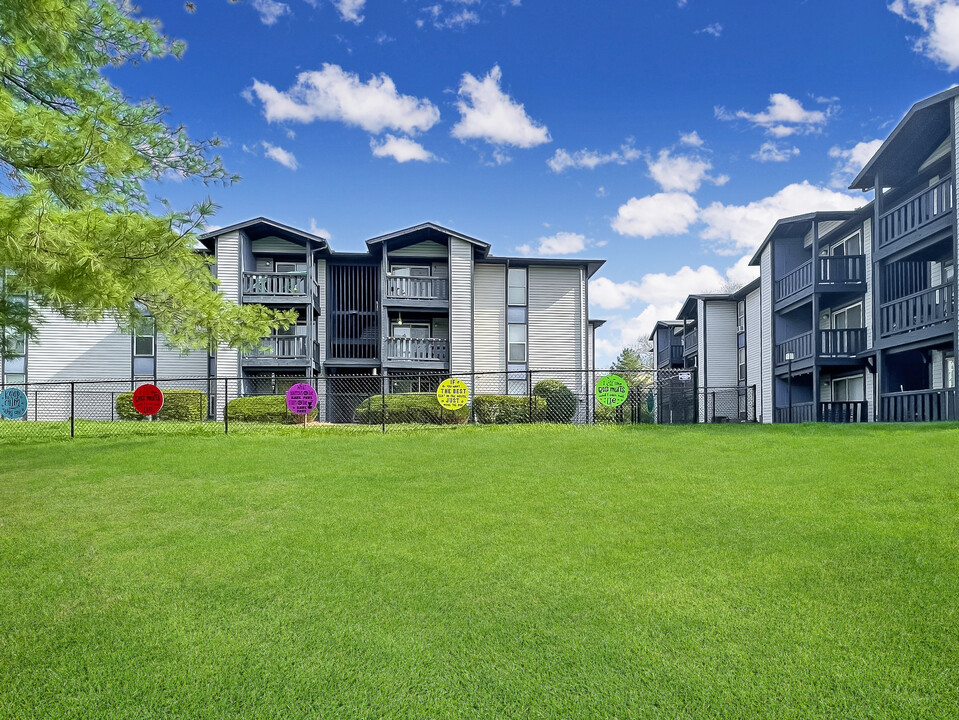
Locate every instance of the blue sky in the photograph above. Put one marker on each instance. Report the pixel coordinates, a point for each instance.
(665, 136)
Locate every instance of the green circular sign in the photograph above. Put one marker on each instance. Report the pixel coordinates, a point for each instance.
(611, 391)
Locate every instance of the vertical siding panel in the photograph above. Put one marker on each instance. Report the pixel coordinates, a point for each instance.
(321, 290)
(461, 306)
(754, 346)
(721, 353)
(555, 325)
(766, 294)
(869, 377)
(228, 254)
(490, 327)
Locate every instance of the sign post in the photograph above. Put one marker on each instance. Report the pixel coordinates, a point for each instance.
(13, 403)
(147, 400)
(301, 400)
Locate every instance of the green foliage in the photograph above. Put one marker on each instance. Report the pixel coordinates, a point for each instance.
(635, 410)
(561, 403)
(508, 409)
(263, 408)
(188, 405)
(76, 226)
(419, 408)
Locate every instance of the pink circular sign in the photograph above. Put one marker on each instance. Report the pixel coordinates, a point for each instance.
(301, 399)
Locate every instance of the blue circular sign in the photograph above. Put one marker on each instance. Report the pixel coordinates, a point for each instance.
(13, 403)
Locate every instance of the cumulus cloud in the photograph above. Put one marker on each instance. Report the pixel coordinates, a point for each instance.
(771, 151)
(401, 149)
(939, 22)
(691, 139)
(562, 243)
(563, 160)
(284, 157)
(714, 29)
(270, 10)
(489, 114)
(350, 10)
(683, 173)
(741, 228)
(850, 161)
(334, 94)
(319, 231)
(783, 117)
(660, 214)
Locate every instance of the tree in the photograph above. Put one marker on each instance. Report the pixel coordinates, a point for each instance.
(78, 231)
(634, 358)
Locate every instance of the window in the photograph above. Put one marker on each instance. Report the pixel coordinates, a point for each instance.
(849, 389)
(847, 318)
(144, 337)
(517, 344)
(742, 363)
(9, 379)
(410, 270)
(741, 316)
(949, 273)
(410, 330)
(15, 345)
(290, 267)
(517, 286)
(851, 245)
(949, 374)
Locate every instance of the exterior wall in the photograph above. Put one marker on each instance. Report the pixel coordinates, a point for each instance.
(65, 350)
(721, 352)
(766, 309)
(702, 362)
(556, 327)
(269, 245)
(424, 249)
(489, 316)
(174, 363)
(754, 347)
(867, 319)
(461, 306)
(228, 255)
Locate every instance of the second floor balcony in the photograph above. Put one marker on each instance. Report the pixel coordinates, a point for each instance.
(417, 289)
(427, 351)
(671, 355)
(280, 287)
(827, 273)
(917, 311)
(282, 350)
(844, 343)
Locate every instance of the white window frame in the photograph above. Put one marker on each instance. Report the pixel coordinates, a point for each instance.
(843, 312)
(741, 362)
(949, 371)
(845, 381)
(510, 343)
(394, 325)
(510, 286)
(395, 268)
(741, 316)
(295, 271)
(137, 336)
(842, 243)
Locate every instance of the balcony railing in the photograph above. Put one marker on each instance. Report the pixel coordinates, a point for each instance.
(417, 288)
(836, 270)
(794, 281)
(418, 349)
(691, 341)
(800, 413)
(842, 343)
(843, 411)
(918, 310)
(800, 346)
(919, 406)
(280, 284)
(672, 355)
(281, 347)
(918, 210)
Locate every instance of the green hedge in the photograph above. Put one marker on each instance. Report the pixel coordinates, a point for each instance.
(631, 412)
(263, 408)
(419, 408)
(508, 409)
(189, 405)
(560, 402)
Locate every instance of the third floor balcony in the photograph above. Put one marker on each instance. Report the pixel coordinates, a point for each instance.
(917, 212)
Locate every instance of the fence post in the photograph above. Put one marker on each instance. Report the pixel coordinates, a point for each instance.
(383, 401)
(529, 392)
(713, 393)
(72, 407)
(226, 400)
(35, 411)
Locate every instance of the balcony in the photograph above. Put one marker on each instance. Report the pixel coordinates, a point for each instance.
(673, 355)
(839, 411)
(266, 286)
(417, 290)
(280, 350)
(838, 272)
(919, 406)
(800, 346)
(845, 343)
(799, 413)
(417, 350)
(917, 211)
(795, 281)
(916, 311)
(690, 342)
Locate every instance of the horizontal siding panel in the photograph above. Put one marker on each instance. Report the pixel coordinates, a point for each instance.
(277, 245)
(171, 362)
(64, 350)
(423, 249)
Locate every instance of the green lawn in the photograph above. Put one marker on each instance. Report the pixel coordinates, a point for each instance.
(560, 572)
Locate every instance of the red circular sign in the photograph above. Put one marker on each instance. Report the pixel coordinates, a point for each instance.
(147, 399)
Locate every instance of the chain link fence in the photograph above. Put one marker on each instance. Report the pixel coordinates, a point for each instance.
(397, 400)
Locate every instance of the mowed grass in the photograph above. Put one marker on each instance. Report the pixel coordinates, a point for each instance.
(546, 572)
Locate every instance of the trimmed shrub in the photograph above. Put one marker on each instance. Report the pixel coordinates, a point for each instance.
(184, 405)
(264, 409)
(631, 412)
(560, 402)
(420, 408)
(508, 409)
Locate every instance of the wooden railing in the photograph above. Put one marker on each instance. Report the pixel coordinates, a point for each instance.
(842, 343)
(691, 341)
(274, 284)
(843, 411)
(800, 346)
(672, 355)
(919, 406)
(281, 347)
(417, 288)
(801, 413)
(428, 349)
(794, 281)
(916, 211)
(835, 270)
(918, 310)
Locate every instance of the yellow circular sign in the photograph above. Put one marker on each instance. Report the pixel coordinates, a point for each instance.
(453, 394)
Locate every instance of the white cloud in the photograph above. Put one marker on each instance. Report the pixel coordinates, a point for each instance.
(334, 94)
(270, 10)
(563, 160)
(771, 151)
(741, 228)
(659, 214)
(562, 243)
(601, 192)
(714, 29)
(401, 149)
(783, 117)
(610, 295)
(939, 21)
(319, 231)
(350, 10)
(284, 157)
(681, 172)
(691, 139)
(501, 157)
(851, 161)
(489, 114)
